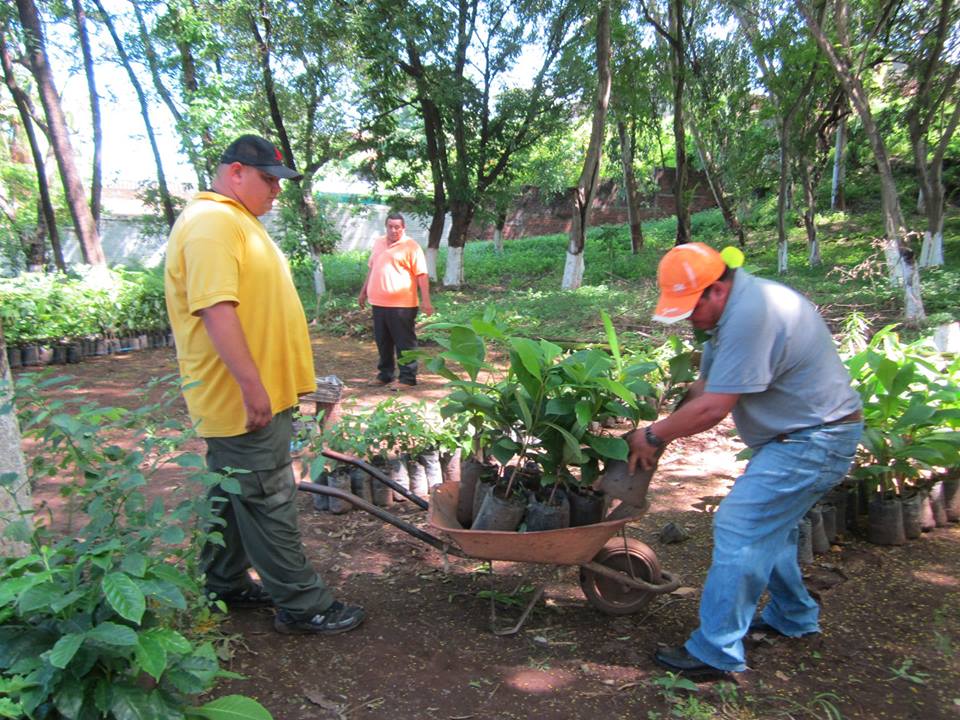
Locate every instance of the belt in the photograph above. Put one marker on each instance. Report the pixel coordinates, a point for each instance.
(854, 417)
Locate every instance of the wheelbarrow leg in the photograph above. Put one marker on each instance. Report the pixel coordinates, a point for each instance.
(502, 632)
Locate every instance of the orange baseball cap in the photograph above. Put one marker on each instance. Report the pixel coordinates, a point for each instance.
(684, 273)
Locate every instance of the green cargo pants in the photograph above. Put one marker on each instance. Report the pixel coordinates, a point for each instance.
(261, 522)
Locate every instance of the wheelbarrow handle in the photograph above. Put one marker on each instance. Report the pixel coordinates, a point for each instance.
(379, 512)
(670, 583)
(371, 470)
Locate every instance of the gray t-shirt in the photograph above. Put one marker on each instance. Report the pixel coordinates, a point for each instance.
(773, 349)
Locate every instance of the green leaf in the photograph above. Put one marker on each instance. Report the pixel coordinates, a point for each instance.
(230, 485)
(231, 707)
(609, 447)
(69, 697)
(190, 460)
(584, 414)
(164, 591)
(66, 647)
(530, 355)
(124, 596)
(524, 409)
(170, 640)
(612, 339)
(39, 597)
(151, 655)
(110, 633)
(134, 564)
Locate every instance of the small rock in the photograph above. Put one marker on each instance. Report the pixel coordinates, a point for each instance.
(673, 533)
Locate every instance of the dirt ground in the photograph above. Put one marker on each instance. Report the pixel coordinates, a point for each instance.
(891, 616)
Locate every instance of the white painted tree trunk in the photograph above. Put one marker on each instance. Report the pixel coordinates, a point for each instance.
(839, 164)
(453, 277)
(781, 258)
(814, 257)
(319, 282)
(431, 254)
(15, 497)
(921, 205)
(573, 271)
(914, 311)
(931, 253)
(498, 240)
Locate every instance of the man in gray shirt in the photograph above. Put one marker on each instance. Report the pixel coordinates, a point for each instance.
(771, 362)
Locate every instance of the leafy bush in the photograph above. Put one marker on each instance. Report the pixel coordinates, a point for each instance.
(911, 402)
(51, 307)
(109, 619)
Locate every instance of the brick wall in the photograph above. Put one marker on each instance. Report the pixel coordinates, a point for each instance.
(534, 214)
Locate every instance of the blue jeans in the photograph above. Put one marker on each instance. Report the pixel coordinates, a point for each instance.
(755, 541)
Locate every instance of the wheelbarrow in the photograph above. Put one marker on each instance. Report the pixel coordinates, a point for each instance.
(618, 575)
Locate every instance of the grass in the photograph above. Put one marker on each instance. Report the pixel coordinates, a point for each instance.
(523, 281)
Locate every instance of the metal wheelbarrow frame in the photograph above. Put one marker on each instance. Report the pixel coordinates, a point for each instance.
(618, 575)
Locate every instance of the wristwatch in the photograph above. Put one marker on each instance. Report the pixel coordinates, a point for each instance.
(652, 438)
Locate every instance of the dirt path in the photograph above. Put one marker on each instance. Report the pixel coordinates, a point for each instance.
(891, 616)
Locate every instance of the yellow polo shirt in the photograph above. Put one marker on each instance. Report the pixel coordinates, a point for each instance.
(218, 251)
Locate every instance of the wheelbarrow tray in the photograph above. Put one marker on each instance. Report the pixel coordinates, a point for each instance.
(568, 546)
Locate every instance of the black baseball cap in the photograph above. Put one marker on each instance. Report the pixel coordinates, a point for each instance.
(256, 152)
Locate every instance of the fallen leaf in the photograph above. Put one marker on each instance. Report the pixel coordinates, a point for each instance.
(684, 591)
(323, 701)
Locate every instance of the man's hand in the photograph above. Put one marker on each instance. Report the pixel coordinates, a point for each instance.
(642, 453)
(256, 402)
(427, 308)
(362, 298)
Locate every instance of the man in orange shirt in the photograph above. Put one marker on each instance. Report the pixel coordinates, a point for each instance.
(397, 269)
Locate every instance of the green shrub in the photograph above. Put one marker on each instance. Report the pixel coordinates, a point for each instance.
(109, 619)
(53, 307)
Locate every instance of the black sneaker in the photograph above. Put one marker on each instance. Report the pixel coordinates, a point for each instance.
(251, 596)
(408, 381)
(335, 619)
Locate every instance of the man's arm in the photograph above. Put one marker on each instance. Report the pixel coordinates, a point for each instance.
(423, 282)
(699, 413)
(362, 298)
(223, 327)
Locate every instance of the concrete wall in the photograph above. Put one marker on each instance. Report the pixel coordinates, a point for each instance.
(125, 239)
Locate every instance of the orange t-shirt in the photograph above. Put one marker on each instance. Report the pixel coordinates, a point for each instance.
(393, 272)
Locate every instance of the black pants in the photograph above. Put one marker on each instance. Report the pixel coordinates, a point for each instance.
(393, 329)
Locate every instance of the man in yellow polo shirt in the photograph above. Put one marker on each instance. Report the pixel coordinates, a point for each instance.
(398, 269)
(244, 354)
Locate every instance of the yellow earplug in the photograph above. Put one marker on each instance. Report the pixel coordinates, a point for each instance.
(732, 256)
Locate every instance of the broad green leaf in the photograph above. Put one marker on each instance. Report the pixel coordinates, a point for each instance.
(190, 460)
(134, 564)
(524, 409)
(164, 591)
(886, 370)
(171, 535)
(68, 698)
(151, 655)
(170, 640)
(39, 597)
(583, 411)
(111, 633)
(66, 647)
(231, 707)
(609, 447)
(530, 355)
(124, 596)
(67, 600)
(550, 351)
(230, 485)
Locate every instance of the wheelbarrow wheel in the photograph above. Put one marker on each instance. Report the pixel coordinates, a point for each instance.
(630, 557)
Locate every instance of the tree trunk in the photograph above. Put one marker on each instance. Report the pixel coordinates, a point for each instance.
(838, 198)
(435, 233)
(201, 166)
(809, 214)
(630, 188)
(15, 501)
(96, 175)
(89, 238)
(899, 256)
(930, 180)
(783, 190)
(166, 202)
(22, 101)
(461, 216)
(498, 231)
(715, 181)
(678, 69)
(587, 184)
